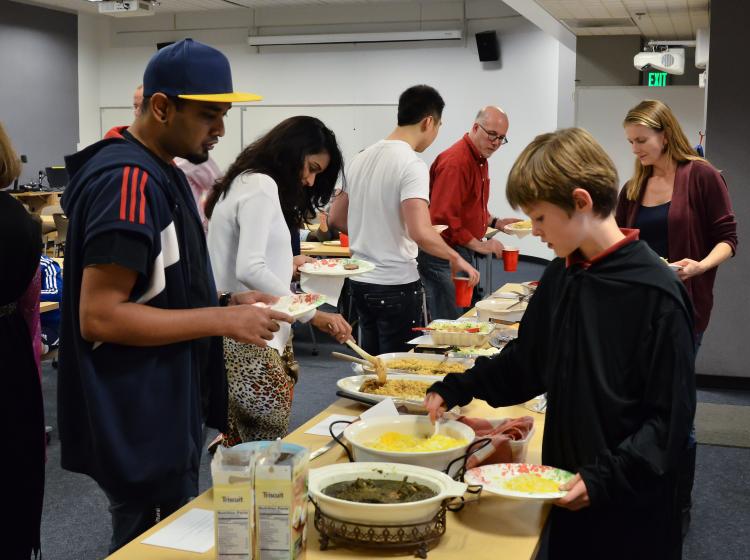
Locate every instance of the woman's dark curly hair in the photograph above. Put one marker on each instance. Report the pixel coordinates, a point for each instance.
(280, 154)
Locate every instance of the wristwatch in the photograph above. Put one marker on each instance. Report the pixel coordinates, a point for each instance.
(493, 223)
(225, 298)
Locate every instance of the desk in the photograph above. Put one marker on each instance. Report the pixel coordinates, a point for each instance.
(36, 200)
(486, 529)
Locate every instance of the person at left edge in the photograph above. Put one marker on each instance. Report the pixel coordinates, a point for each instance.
(141, 369)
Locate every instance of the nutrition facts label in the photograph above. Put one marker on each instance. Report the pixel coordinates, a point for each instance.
(274, 533)
(234, 536)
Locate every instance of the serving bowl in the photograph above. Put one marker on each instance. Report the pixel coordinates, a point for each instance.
(360, 433)
(381, 514)
(462, 333)
(507, 310)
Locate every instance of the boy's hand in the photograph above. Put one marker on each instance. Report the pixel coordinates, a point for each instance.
(435, 406)
(251, 324)
(577, 496)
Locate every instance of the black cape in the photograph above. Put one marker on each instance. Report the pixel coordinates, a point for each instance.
(612, 346)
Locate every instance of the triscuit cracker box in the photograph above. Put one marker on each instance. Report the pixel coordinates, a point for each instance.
(232, 474)
(281, 502)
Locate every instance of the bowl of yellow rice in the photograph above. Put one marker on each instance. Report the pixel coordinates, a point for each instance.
(409, 439)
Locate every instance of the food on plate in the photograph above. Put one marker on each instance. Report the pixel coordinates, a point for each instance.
(403, 389)
(474, 352)
(395, 441)
(523, 224)
(351, 266)
(301, 301)
(460, 327)
(378, 491)
(532, 483)
(424, 367)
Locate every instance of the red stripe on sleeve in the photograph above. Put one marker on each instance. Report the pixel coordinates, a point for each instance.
(142, 211)
(133, 191)
(124, 191)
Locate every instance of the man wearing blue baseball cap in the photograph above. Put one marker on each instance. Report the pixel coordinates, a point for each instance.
(141, 365)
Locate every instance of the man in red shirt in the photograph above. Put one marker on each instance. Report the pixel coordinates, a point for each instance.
(459, 191)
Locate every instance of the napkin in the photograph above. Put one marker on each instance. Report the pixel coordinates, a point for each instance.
(502, 433)
(329, 286)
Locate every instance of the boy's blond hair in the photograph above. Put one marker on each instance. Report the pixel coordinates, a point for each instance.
(10, 165)
(556, 163)
(658, 117)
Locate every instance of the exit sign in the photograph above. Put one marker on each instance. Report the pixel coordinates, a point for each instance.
(657, 79)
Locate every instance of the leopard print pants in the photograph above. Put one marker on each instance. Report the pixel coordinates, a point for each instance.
(261, 387)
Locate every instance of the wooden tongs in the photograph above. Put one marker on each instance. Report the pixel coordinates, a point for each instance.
(377, 363)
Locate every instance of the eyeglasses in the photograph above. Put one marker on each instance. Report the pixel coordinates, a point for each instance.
(493, 136)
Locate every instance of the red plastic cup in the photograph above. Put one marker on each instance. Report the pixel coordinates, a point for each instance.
(344, 239)
(510, 259)
(464, 291)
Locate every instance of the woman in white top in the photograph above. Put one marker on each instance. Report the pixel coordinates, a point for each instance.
(273, 188)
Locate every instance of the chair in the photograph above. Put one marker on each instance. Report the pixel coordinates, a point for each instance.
(47, 225)
(61, 224)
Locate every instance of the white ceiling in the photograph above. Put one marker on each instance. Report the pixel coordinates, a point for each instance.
(653, 19)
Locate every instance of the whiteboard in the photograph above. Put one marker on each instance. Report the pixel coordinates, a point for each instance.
(355, 126)
(601, 110)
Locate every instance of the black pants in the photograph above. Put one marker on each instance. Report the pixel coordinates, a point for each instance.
(131, 518)
(387, 315)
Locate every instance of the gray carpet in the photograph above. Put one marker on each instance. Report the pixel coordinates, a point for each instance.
(722, 424)
(76, 525)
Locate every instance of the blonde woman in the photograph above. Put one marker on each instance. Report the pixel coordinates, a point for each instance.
(680, 204)
(679, 201)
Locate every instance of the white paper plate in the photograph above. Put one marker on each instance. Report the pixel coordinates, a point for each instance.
(298, 304)
(440, 228)
(437, 358)
(512, 229)
(307, 245)
(493, 479)
(350, 385)
(335, 267)
(333, 243)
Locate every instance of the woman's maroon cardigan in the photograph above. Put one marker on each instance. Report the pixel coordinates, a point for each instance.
(700, 216)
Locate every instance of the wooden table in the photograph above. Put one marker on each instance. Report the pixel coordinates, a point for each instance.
(489, 528)
(319, 249)
(36, 200)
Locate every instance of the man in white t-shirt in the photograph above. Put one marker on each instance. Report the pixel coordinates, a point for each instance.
(384, 208)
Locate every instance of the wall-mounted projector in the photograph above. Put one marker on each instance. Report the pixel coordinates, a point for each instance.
(126, 8)
(671, 61)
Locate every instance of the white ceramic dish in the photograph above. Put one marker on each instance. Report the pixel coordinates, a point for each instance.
(460, 338)
(493, 478)
(428, 358)
(496, 308)
(360, 433)
(350, 385)
(335, 267)
(381, 514)
(440, 228)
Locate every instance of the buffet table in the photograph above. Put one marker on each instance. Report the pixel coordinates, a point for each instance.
(487, 528)
(490, 528)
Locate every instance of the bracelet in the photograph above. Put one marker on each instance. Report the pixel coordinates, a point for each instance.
(224, 299)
